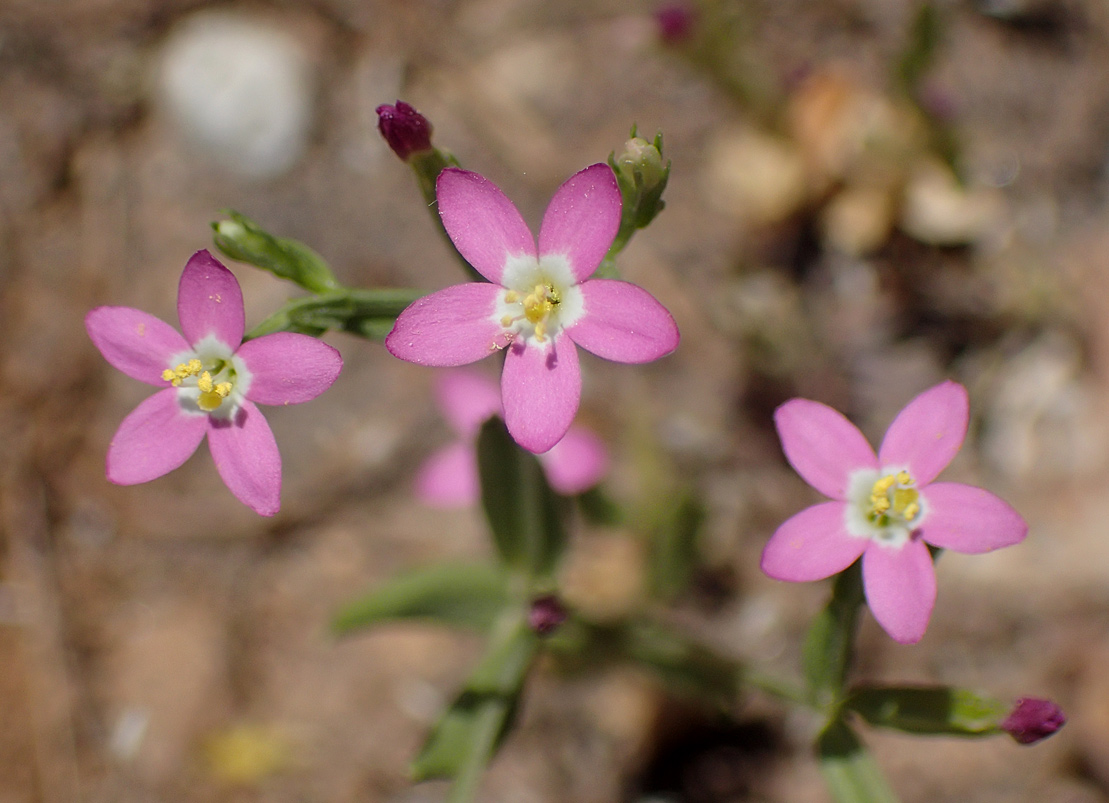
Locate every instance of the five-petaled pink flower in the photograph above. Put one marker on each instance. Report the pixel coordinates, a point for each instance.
(538, 303)
(449, 478)
(887, 507)
(211, 381)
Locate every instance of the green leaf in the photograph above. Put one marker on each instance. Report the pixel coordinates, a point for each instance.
(673, 547)
(242, 239)
(849, 770)
(367, 313)
(466, 595)
(828, 648)
(467, 736)
(525, 515)
(928, 709)
(920, 51)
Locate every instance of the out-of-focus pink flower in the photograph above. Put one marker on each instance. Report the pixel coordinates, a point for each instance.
(405, 129)
(887, 508)
(211, 382)
(675, 22)
(450, 476)
(1033, 719)
(538, 303)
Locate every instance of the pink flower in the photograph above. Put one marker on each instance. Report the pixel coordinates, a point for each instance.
(450, 477)
(1033, 720)
(211, 381)
(887, 507)
(539, 302)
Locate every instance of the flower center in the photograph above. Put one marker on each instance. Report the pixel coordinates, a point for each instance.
(536, 307)
(893, 500)
(214, 382)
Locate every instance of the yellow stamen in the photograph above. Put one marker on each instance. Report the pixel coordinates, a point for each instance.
(911, 511)
(204, 382)
(903, 478)
(511, 297)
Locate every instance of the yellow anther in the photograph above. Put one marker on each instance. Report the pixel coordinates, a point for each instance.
(883, 485)
(194, 367)
(507, 321)
(903, 478)
(879, 505)
(170, 376)
(223, 390)
(204, 382)
(511, 297)
(911, 510)
(540, 331)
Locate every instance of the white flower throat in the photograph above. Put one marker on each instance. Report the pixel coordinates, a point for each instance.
(540, 299)
(884, 506)
(210, 380)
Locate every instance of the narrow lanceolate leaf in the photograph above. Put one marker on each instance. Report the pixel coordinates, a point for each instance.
(849, 770)
(673, 547)
(468, 734)
(525, 515)
(466, 595)
(827, 651)
(366, 313)
(242, 239)
(931, 710)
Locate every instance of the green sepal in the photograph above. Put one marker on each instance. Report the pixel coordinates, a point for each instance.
(525, 515)
(468, 734)
(242, 239)
(827, 652)
(463, 595)
(366, 313)
(928, 709)
(850, 772)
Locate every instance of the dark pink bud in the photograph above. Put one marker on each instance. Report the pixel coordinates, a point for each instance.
(1032, 720)
(546, 614)
(405, 129)
(675, 22)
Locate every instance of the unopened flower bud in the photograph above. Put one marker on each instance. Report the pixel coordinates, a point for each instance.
(241, 238)
(643, 162)
(405, 129)
(1032, 720)
(546, 614)
(642, 175)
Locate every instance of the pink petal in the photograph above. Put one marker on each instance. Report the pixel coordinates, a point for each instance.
(582, 219)
(210, 302)
(812, 545)
(541, 388)
(288, 368)
(623, 322)
(900, 588)
(969, 519)
(452, 327)
(135, 342)
(928, 432)
(821, 445)
(483, 224)
(157, 437)
(576, 463)
(468, 399)
(449, 478)
(246, 457)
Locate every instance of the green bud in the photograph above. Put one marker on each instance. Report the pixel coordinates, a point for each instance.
(641, 175)
(242, 239)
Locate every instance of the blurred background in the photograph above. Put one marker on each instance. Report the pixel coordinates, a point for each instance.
(867, 196)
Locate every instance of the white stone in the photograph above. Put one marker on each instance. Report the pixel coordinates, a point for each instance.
(240, 89)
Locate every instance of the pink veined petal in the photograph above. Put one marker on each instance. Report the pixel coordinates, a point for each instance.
(246, 457)
(582, 219)
(468, 399)
(900, 588)
(135, 342)
(449, 478)
(968, 519)
(483, 224)
(812, 545)
(928, 432)
(453, 326)
(154, 439)
(541, 388)
(210, 302)
(623, 322)
(822, 445)
(288, 368)
(576, 463)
